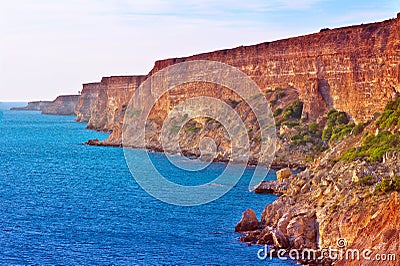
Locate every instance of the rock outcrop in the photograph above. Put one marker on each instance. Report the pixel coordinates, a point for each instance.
(62, 105)
(248, 222)
(33, 106)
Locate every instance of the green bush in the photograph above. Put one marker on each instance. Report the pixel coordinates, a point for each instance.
(337, 126)
(278, 112)
(366, 180)
(388, 185)
(294, 110)
(391, 116)
(312, 127)
(341, 131)
(374, 147)
(290, 123)
(358, 128)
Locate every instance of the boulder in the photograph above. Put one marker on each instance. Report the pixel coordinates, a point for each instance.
(271, 187)
(280, 239)
(248, 222)
(283, 174)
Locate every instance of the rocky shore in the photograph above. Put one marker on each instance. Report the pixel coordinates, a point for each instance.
(353, 202)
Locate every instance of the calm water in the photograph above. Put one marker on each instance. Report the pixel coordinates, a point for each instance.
(65, 203)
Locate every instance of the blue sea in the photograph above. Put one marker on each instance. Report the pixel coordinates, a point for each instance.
(62, 202)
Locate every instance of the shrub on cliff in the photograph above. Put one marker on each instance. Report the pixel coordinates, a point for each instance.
(388, 185)
(391, 115)
(294, 110)
(337, 126)
(374, 147)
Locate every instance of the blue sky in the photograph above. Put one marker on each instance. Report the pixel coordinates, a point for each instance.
(51, 47)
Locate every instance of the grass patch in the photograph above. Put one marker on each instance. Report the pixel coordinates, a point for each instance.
(388, 185)
(374, 147)
(391, 115)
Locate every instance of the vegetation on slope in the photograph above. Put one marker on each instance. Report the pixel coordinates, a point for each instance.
(338, 126)
(375, 146)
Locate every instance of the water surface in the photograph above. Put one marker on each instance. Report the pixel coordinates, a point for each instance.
(62, 202)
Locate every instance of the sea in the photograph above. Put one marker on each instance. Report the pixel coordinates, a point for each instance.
(65, 203)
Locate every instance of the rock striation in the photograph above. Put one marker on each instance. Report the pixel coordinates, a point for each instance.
(352, 69)
(62, 105)
(33, 106)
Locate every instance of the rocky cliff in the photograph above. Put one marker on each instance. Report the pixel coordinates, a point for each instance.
(352, 69)
(33, 106)
(102, 104)
(87, 101)
(62, 105)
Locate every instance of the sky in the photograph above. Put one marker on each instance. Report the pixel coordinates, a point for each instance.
(50, 47)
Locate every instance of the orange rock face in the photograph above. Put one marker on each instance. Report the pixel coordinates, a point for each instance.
(353, 69)
(87, 101)
(381, 234)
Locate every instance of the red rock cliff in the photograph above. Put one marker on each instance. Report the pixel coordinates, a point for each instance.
(87, 101)
(353, 69)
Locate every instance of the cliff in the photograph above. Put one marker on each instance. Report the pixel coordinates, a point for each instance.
(62, 105)
(87, 101)
(352, 69)
(102, 104)
(33, 106)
